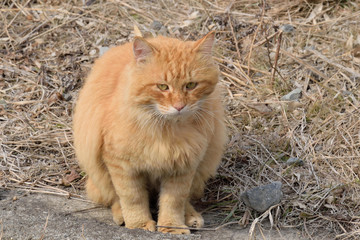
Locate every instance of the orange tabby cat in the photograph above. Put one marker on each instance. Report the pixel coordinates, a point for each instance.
(149, 119)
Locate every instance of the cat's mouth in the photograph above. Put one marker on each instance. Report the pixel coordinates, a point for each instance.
(170, 112)
(161, 115)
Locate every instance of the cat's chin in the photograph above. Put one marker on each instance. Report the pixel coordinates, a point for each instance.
(177, 117)
(171, 113)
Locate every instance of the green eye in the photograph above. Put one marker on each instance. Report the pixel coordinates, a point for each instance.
(163, 87)
(191, 85)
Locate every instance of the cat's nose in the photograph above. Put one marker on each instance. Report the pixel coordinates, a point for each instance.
(179, 106)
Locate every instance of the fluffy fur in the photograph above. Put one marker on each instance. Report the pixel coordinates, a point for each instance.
(134, 137)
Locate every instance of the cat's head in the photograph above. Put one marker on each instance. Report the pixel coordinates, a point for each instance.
(173, 78)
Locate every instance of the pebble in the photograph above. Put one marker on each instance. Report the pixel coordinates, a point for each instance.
(67, 96)
(156, 25)
(2, 102)
(263, 197)
(293, 95)
(295, 161)
(92, 52)
(287, 28)
(102, 50)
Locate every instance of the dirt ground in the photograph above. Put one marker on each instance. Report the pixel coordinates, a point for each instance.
(39, 216)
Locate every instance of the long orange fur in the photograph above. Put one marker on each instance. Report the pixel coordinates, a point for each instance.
(133, 138)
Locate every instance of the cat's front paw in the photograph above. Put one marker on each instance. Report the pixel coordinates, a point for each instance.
(192, 217)
(194, 220)
(148, 226)
(118, 219)
(117, 213)
(180, 229)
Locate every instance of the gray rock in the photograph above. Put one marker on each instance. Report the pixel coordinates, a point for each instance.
(156, 25)
(295, 161)
(293, 95)
(102, 50)
(287, 28)
(67, 96)
(346, 93)
(263, 197)
(2, 102)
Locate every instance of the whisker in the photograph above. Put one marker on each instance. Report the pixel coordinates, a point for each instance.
(204, 119)
(206, 111)
(198, 120)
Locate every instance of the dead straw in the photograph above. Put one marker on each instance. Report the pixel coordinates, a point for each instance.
(48, 50)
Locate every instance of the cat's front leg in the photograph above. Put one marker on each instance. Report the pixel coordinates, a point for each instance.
(134, 198)
(174, 194)
(192, 217)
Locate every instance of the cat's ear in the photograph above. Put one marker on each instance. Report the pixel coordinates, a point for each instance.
(142, 49)
(205, 44)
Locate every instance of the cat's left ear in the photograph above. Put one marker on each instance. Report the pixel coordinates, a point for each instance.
(142, 49)
(205, 44)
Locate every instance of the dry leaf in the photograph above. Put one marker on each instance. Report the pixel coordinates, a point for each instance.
(80, 23)
(30, 17)
(260, 107)
(315, 12)
(330, 206)
(137, 31)
(37, 63)
(69, 178)
(194, 15)
(357, 41)
(350, 42)
(356, 51)
(39, 41)
(326, 17)
(187, 23)
(54, 98)
(299, 204)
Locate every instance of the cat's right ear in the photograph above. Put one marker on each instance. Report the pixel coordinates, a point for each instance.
(142, 49)
(205, 44)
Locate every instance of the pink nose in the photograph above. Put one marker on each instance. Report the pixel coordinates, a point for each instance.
(179, 106)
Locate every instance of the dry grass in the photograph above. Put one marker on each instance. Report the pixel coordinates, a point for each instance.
(47, 48)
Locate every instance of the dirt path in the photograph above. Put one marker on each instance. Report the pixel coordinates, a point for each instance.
(39, 216)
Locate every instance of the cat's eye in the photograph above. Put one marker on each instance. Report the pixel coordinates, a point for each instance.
(191, 85)
(163, 87)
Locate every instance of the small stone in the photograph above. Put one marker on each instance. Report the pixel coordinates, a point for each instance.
(293, 95)
(295, 161)
(88, 3)
(258, 75)
(330, 200)
(102, 50)
(92, 52)
(356, 50)
(346, 93)
(355, 78)
(67, 96)
(263, 197)
(287, 28)
(156, 25)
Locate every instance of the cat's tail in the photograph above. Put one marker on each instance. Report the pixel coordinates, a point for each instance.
(88, 143)
(98, 195)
